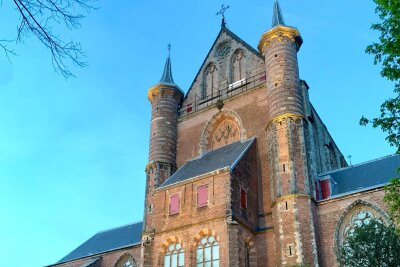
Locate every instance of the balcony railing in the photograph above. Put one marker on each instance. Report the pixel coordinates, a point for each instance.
(225, 93)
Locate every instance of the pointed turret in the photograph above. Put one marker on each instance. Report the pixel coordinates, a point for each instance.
(166, 77)
(277, 18)
(291, 182)
(165, 97)
(278, 30)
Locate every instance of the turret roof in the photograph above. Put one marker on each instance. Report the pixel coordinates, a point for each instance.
(277, 18)
(167, 74)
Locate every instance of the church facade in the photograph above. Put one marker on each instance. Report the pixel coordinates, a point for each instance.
(242, 171)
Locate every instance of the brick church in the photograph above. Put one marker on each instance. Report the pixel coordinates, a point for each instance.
(242, 171)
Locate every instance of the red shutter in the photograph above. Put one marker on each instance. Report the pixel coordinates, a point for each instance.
(325, 188)
(174, 204)
(243, 199)
(202, 196)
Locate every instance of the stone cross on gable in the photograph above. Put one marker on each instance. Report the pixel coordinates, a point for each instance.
(222, 13)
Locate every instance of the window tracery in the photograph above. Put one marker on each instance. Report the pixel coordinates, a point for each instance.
(210, 81)
(359, 213)
(237, 71)
(359, 218)
(174, 256)
(207, 253)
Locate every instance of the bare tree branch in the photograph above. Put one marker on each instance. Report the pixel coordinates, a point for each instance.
(7, 51)
(38, 18)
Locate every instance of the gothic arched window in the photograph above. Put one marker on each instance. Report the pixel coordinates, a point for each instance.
(207, 253)
(174, 256)
(358, 215)
(126, 261)
(237, 71)
(210, 81)
(359, 218)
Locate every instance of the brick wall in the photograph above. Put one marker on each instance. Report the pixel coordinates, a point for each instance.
(329, 213)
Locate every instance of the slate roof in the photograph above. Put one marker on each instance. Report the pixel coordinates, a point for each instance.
(166, 77)
(277, 18)
(226, 156)
(359, 177)
(108, 240)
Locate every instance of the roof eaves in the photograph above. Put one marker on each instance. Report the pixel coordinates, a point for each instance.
(354, 192)
(202, 64)
(95, 254)
(191, 179)
(356, 165)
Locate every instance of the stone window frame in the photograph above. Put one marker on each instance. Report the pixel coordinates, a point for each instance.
(174, 250)
(214, 85)
(123, 260)
(211, 242)
(203, 233)
(348, 213)
(243, 64)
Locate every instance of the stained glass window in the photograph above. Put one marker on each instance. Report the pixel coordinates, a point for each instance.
(207, 253)
(175, 256)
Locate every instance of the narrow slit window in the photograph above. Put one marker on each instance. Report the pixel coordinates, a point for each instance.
(243, 199)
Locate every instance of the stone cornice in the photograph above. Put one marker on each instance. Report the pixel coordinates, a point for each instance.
(286, 115)
(279, 33)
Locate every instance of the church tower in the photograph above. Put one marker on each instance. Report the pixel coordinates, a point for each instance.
(291, 187)
(165, 98)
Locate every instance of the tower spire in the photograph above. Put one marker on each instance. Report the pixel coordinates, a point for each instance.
(167, 74)
(277, 18)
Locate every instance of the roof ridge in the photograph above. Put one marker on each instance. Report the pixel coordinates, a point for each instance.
(118, 227)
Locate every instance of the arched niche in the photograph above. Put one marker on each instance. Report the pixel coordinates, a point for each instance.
(238, 70)
(224, 128)
(210, 81)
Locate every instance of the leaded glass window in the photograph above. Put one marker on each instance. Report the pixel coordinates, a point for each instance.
(359, 218)
(207, 253)
(175, 256)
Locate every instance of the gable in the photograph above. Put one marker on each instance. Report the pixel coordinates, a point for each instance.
(220, 57)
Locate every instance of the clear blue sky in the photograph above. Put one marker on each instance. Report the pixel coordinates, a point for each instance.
(73, 153)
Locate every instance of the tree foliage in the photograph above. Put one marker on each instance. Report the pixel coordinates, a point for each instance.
(387, 52)
(370, 245)
(392, 198)
(39, 18)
